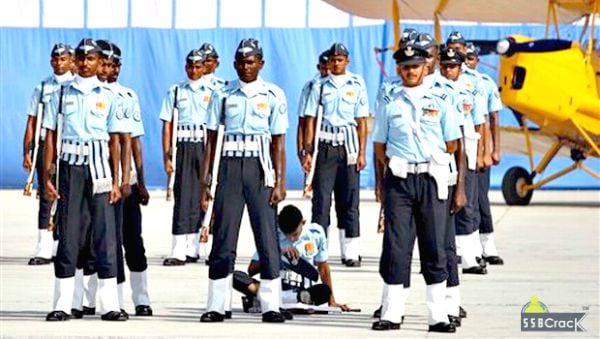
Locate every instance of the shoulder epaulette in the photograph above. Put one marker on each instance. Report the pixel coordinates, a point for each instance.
(439, 92)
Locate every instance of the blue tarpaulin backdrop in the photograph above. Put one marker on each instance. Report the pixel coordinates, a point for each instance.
(154, 59)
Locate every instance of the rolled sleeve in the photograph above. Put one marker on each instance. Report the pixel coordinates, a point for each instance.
(214, 111)
(478, 111)
(362, 108)
(49, 119)
(166, 110)
(312, 102)
(381, 129)
(278, 121)
(137, 121)
(494, 102)
(450, 127)
(304, 98)
(117, 120)
(322, 253)
(33, 102)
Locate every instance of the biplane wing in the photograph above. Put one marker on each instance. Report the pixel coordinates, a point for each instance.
(505, 11)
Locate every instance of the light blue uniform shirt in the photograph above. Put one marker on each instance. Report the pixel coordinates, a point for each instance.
(132, 108)
(309, 86)
(51, 84)
(213, 82)
(87, 116)
(192, 104)
(473, 82)
(343, 104)
(386, 87)
(494, 104)
(311, 245)
(258, 109)
(414, 129)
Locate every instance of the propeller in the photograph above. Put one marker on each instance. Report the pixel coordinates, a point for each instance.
(509, 46)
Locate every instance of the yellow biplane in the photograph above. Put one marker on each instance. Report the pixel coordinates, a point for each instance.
(552, 83)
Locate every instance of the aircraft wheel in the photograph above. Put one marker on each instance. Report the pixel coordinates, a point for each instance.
(513, 186)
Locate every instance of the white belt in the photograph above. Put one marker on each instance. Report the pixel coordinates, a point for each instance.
(438, 168)
(240, 146)
(401, 168)
(418, 168)
(81, 149)
(194, 134)
(329, 136)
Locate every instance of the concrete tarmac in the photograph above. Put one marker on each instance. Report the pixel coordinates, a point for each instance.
(550, 248)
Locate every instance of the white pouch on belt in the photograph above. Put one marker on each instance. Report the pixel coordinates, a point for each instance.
(399, 167)
(471, 140)
(439, 170)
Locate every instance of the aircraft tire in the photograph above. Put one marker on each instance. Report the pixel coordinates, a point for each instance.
(513, 179)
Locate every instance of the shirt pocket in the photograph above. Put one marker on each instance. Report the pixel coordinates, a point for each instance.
(234, 109)
(328, 103)
(260, 107)
(348, 102)
(259, 113)
(69, 106)
(431, 114)
(100, 108)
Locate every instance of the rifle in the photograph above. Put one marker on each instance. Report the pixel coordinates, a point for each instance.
(311, 174)
(59, 127)
(214, 174)
(36, 142)
(174, 123)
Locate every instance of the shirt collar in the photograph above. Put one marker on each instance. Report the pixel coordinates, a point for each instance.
(251, 89)
(194, 85)
(68, 76)
(86, 85)
(338, 80)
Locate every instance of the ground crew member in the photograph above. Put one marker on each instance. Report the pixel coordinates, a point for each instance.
(471, 121)
(439, 86)
(87, 188)
(213, 83)
(388, 85)
(86, 279)
(414, 138)
(190, 98)
(61, 61)
(489, 251)
(309, 86)
(296, 240)
(341, 152)
(388, 89)
(131, 214)
(456, 184)
(468, 241)
(254, 113)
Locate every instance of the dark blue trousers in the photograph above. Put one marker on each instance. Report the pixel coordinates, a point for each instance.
(406, 199)
(241, 183)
